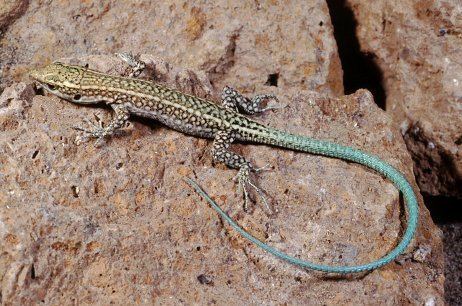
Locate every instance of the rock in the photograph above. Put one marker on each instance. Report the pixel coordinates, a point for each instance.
(453, 262)
(418, 47)
(10, 10)
(422, 253)
(18, 92)
(236, 43)
(117, 224)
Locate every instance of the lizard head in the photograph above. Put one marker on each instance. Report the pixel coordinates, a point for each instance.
(64, 81)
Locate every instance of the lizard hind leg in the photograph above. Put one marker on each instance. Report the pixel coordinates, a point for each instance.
(232, 99)
(221, 153)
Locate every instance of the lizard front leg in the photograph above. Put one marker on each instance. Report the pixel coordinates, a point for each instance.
(99, 131)
(221, 153)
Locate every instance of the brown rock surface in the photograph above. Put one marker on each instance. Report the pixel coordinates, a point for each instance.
(236, 42)
(418, 45)
(10, 10)
(453, 262)
(118, 224)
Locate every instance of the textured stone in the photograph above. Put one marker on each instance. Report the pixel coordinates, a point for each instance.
(418, 46)
(10, 10)
(243, 43)
(453, 262)
(117, 224)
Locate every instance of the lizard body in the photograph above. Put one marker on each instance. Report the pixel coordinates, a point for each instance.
(223, 123)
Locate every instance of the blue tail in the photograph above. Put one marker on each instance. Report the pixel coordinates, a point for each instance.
(326, 148)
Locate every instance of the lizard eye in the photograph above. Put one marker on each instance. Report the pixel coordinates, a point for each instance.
(51, 87)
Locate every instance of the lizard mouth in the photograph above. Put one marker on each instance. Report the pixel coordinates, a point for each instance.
(39, 79)
(48, 87)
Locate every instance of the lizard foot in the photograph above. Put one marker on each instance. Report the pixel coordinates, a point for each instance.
(136, 65)
(257, 100)
(235, 101)
(243, 180)
(94, 131)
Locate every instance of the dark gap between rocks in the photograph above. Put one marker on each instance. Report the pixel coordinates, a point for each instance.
(272, 79)
(444, 210)
(452, 236)
(359, 68)
(361, 71)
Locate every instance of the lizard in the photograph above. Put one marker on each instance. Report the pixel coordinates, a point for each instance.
(224, 124)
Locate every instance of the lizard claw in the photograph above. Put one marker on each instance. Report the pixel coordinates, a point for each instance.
(135, 64)
(243, 180)
(266, 167)
(257, 100)
(277, 106)
(94, 131)
(89, 134)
